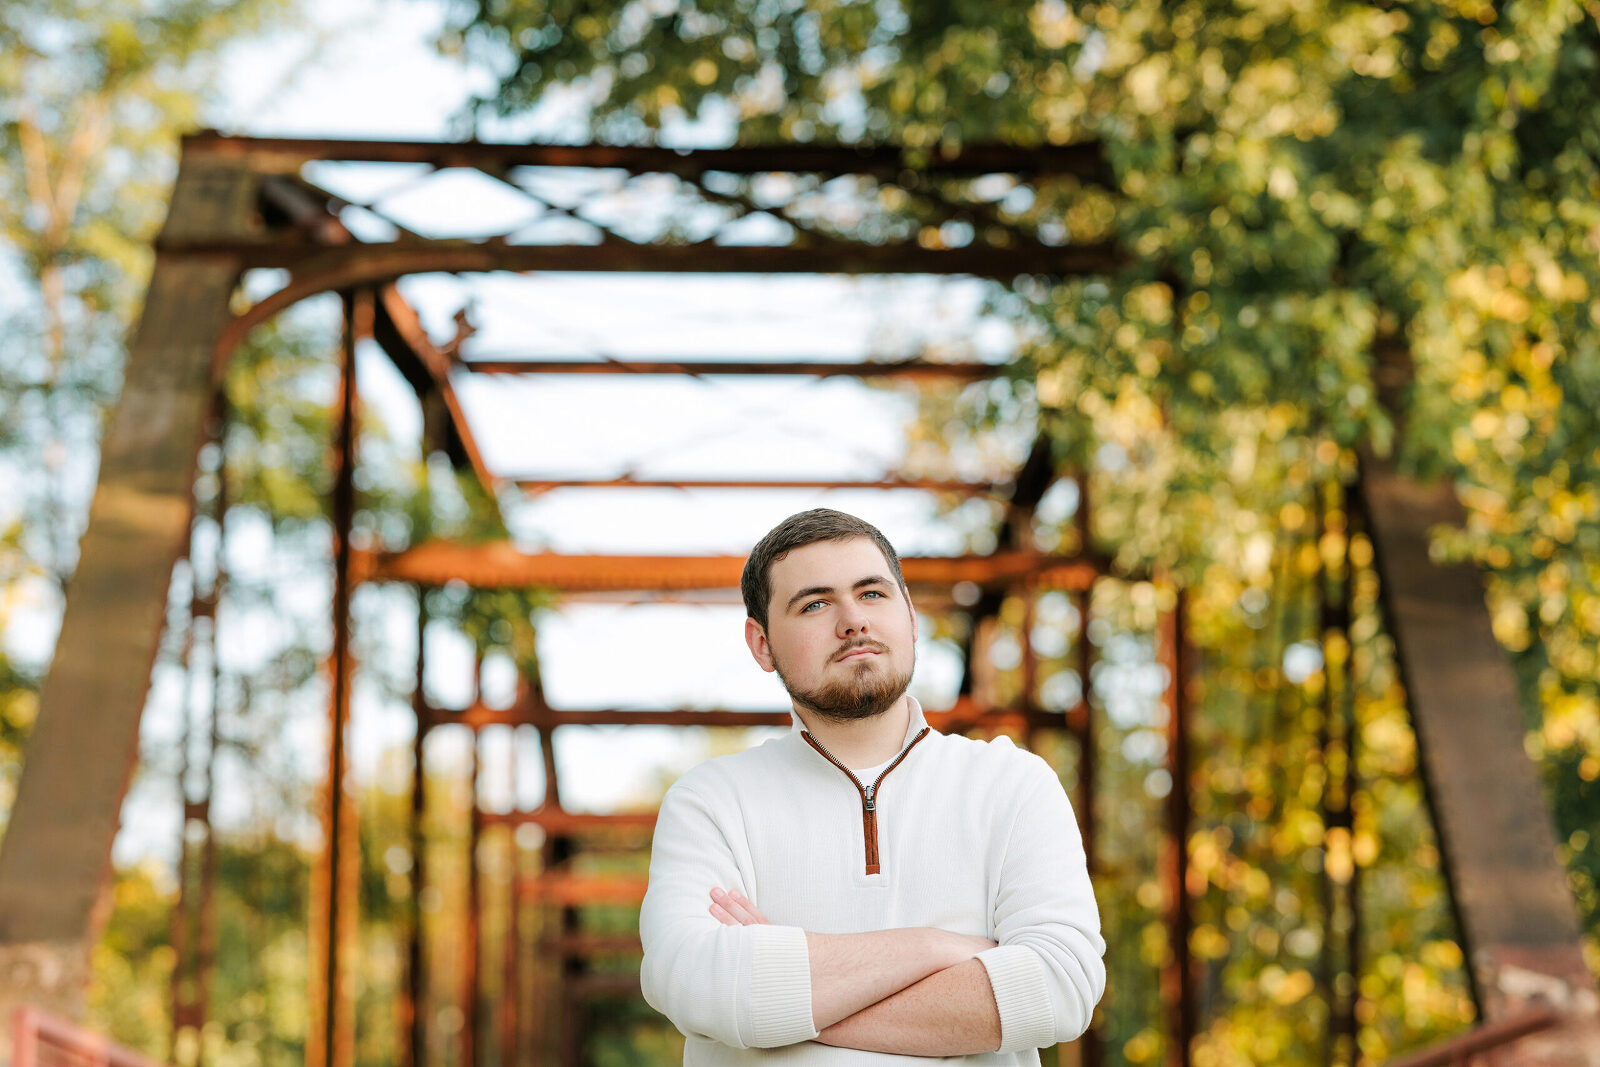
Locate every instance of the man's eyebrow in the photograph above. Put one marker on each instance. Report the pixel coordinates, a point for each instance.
(822, 590)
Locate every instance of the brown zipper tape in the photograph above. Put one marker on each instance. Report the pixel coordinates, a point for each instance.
(869, 816)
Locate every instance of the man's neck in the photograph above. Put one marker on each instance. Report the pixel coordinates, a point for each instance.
(862, 742)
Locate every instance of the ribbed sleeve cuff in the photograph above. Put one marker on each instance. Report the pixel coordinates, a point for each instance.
(780, 987)
(1017, 975)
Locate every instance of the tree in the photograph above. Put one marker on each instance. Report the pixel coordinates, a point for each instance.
(1349, 228)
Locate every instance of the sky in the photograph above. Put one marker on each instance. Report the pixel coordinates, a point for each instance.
(378, 76)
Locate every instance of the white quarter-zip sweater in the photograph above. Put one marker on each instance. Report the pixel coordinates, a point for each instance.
(969, 836)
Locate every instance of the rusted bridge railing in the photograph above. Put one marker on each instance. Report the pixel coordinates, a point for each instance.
(1458, 1051)
(39, 1039)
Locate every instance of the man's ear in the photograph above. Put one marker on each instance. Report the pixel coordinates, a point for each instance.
(756, 638)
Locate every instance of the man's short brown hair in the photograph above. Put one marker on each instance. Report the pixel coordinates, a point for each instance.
(797, 531)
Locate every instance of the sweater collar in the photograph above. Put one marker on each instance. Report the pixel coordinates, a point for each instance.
(915, 721)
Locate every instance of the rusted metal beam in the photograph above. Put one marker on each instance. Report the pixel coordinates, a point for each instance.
(930, 599)
(414, 1000)
(569, 1032)
(334, 934)
(1091, 1050)
(931, 485)
(472, 933)
(378, 261)
(501, 564)
(1338, 965)
(40, 1039)
(965, 715)
(1480, 1039)
(1514, 906)
(287, 200)
(644, 597)
(1085, 160)
(914, 369)
(309, 214)
(399, 332)
(477, 716)
(610, 984)
(555, 821)
(511, 943)
(193, 920)
(1177, 974)
(1013, 533)
(574, 890)
(584, 945)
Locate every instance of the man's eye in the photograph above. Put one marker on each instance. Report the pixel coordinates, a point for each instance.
(809, 606)
(873, 592)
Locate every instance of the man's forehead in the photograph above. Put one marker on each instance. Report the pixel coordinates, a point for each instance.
(825, 562)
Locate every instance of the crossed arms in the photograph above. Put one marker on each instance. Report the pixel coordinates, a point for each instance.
(916, 992)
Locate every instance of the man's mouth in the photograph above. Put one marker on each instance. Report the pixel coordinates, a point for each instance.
(857, 653)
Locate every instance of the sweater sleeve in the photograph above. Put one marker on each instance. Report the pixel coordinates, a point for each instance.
(744, 986)
(1047, 971)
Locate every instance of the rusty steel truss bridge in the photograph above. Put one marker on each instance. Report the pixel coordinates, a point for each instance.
(244, 204)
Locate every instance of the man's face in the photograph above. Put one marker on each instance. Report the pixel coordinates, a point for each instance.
(840, 634)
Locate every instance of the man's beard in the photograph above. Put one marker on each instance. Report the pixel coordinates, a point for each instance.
(865, 694)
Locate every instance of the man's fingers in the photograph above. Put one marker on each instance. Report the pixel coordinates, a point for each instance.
(751, 908)
(734, 904)
(726, 910)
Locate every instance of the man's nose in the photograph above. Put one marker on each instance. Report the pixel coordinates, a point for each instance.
(852, 619)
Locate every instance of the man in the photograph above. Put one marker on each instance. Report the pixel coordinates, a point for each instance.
(866, 888)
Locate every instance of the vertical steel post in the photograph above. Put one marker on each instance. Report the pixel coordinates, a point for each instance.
(1324, 740)
(1176, 979)
(1088, 763)
(574, 1009)
(472, 934)
(332, 1036)
(1338, 754)
(178, 932)
(1351, 1023)
(510, 993)
(193, 922)
(553, 1012)
(1028, 698)
(1335, 737)
(413, 1003)
(205, 962)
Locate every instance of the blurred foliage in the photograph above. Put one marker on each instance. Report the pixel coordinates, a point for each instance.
(1346, 227)
(257, 1010)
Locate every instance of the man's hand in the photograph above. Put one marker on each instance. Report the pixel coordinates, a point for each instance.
(732, 909)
